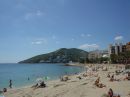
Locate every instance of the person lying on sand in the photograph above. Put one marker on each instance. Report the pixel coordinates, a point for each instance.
(108, 75)
(79, 77)
(97, 81)
(127, 77)
(104, 69)
(113, 79)
(85, 75)
(99, 85)
(129, 94)
(40, 85)
(64, 78)
(4, 89)
(118, 72)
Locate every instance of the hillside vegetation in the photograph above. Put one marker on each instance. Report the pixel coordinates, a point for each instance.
(62, 55)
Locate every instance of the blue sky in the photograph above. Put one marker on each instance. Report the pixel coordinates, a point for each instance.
(32, 27)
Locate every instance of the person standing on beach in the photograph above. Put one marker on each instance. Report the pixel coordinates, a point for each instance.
(10, 83)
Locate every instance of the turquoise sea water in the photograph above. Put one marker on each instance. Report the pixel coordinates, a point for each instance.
(19, 73)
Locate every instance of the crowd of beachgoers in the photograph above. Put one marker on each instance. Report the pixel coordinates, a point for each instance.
(99, 80)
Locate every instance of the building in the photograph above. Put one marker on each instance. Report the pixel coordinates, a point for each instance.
(94, 54)
(97, 54)
(118, 48)
(128, 46)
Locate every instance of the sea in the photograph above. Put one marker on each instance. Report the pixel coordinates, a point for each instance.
(27, 74)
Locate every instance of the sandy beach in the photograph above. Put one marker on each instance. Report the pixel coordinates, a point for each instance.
(78, 87)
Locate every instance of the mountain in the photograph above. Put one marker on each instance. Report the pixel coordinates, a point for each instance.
(62, 55)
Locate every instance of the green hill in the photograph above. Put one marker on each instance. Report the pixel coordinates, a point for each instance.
(62, 55)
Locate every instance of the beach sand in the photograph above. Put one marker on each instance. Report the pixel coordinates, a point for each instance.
(76, 87)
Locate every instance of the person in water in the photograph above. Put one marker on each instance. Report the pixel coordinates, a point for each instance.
(28, 78)
(10, 83)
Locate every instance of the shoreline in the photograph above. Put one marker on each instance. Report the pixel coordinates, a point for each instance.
(82, 88)
(21, 79)
(49, 81)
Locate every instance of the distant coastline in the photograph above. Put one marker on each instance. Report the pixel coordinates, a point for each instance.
(62, 55)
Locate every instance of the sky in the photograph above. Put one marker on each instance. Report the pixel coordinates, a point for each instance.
(33, 27)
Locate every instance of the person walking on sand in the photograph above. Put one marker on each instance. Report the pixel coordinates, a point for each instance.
(10, 83)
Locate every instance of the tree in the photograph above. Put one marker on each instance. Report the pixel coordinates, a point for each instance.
(114, 58)
(127, 56)
(123, 57)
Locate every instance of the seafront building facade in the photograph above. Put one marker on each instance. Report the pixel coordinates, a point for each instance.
(128, 46)
(118, 48)
(113, 49)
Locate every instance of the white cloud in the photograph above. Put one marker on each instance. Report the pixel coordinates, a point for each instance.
(88, 35)
(34, 14)
(39, 13)
(117, 38)
(89, 46)
(72, 39)
(54, 37)
(39, 41)
(85, 35)
(82, 35)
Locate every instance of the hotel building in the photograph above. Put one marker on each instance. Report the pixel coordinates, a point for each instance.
(118, 48)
